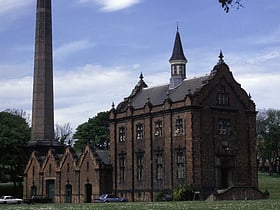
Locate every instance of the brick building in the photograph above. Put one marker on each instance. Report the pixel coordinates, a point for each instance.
(67, 177)
(195, 131)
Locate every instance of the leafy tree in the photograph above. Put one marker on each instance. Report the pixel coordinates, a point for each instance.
(268, 134)
(233, 3)
(14, 134)
(94, 132)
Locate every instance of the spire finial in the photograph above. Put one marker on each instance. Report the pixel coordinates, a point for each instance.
(221, 56)
(141, 76)
(177, 26)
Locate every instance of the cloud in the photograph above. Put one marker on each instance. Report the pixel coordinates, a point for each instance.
(263, 88)
(8, 5)
(82, 92)
(112, 5)
(72, 47)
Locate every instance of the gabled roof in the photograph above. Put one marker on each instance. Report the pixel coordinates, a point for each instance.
(157, 95)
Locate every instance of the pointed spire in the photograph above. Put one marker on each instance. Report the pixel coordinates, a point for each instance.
(178, 53)
(178, 62)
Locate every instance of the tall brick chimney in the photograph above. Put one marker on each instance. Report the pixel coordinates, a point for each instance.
(42, 131)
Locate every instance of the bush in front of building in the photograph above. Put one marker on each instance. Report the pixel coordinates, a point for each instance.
(183, 193)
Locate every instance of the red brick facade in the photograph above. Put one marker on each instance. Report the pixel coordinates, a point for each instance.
(201, 132)
(68, 178)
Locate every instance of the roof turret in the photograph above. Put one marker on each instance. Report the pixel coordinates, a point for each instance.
(178, 53)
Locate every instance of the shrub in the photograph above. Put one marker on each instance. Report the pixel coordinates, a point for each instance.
(183, 192)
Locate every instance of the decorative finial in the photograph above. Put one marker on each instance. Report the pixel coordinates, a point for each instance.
(113, 105)
(141, 76)
(177, 26)
(221, 56)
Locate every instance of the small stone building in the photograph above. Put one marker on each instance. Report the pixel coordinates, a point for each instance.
(68, 177)
(199, 132)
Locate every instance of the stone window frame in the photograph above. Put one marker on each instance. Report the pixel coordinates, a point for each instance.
(179, 126)
(139, 131)
(224, 127)
(122, 167)
(122, 134)
(158, 128)
(159, 167)
(223, 97)
(140, 167)
(180, 162)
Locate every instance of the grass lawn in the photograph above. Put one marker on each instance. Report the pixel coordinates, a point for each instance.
(192, 205)
(272, 184)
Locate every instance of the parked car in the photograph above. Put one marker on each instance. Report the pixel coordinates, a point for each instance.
(10, 200)
(109, 198)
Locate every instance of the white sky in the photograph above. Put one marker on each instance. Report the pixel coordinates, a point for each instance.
(101, 47)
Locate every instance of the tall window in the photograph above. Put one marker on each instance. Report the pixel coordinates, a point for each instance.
(158, 128)
(224, 127)
(180, 165)
(140, 167)
(33, 171)
(223, 97)
(159, 167)
(87, 166)
(179, 126)
(139, 131)
(121, 134)
(50, 169)
(121, 168)
(68, 168)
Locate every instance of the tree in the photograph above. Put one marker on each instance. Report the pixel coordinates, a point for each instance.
(94, 132)
(268, 134)
(233, 3)
(14, 134)
(64, 133)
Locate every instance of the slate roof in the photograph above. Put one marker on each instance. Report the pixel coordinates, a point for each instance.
(104, 156)
(178, 53)
(157, 95)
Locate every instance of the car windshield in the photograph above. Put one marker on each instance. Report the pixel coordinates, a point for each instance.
(103, 196)
(2, 197)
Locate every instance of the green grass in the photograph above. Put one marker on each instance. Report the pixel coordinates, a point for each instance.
(272, 184)
(192, 205)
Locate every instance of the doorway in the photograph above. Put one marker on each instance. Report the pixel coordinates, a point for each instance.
(88, 192)
(68, 193)
(50, 189)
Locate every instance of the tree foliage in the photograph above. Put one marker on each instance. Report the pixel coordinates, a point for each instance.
(94, 132)
(268, 134)
(226, 4)
(14, 134)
